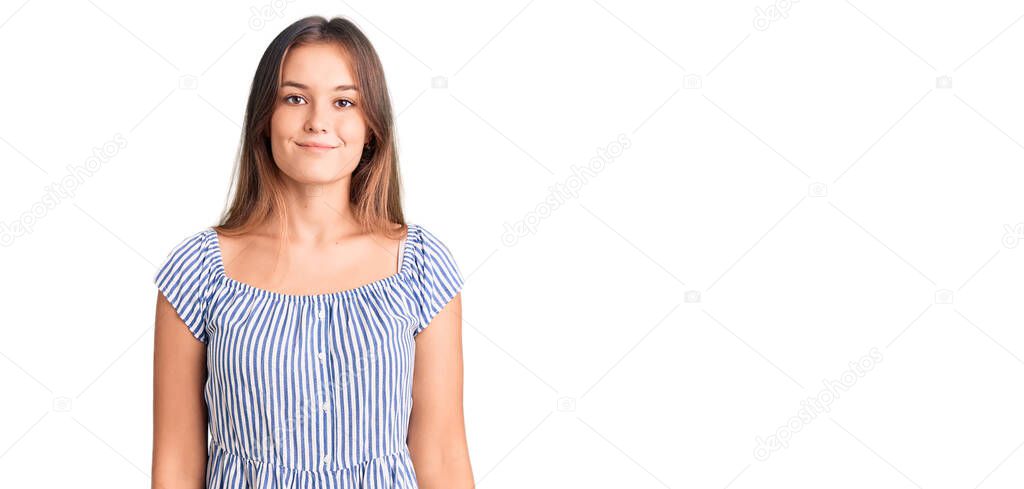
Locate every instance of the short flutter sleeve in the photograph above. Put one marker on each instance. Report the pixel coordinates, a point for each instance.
(184, 279)
(438, 279)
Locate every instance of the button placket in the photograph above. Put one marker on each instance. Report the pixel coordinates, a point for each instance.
(325, 405)
(321, 336)
(321, 314)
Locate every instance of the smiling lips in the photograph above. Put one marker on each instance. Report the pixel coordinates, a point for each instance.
(315, 146)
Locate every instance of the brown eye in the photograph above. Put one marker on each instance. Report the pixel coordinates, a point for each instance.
(294, 100)
(350, 103)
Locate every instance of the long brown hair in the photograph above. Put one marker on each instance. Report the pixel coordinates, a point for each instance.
(375, 194)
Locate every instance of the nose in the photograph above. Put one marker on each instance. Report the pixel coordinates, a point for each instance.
(315, 123)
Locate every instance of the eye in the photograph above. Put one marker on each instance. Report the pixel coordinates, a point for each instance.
(294, 100)
(351, 103)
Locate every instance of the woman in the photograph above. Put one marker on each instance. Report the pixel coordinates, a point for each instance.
(313, 332)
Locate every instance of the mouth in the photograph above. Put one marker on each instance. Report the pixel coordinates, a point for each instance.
(315, 146)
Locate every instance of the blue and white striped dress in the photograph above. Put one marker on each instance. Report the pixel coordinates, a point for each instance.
(309, 391)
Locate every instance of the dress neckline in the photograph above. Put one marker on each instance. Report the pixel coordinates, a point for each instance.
(379, 284)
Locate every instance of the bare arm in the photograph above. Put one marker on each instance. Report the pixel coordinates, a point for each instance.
(437, 432)
(179, 410)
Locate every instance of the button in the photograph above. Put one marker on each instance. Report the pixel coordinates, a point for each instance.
(321, 356)
(327, 458)
(325, 406)
(320, 313)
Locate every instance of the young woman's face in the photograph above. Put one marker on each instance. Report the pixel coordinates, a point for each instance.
(317, 130)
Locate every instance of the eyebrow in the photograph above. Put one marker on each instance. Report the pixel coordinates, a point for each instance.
(306, 87)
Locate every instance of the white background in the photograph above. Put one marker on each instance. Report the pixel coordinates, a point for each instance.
(812, 183)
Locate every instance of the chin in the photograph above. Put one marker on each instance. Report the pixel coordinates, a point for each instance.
(324, 173)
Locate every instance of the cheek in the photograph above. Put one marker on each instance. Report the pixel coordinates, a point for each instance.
(282, 124)
(280, 131)
(352, 128)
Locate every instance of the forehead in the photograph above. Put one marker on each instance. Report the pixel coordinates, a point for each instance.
(320, 65)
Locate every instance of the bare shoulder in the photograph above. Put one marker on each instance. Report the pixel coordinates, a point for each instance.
(233, 245)
(395, 233)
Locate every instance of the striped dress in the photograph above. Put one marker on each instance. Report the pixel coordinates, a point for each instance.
(309, 391)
